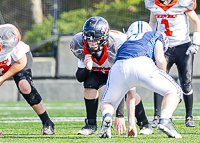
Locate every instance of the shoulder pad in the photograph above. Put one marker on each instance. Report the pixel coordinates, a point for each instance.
(149, 3)
(118, 35)
(76, 46)
(189, 4)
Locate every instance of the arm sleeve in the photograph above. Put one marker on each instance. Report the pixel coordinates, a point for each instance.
(19, 51)
(82, 74)
(120, 109)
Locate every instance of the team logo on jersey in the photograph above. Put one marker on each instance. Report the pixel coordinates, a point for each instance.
(166, 15)
(101, 70)
(3, 66)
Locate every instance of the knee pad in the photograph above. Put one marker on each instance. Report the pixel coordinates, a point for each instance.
(32, 98)
(187, 90)
(188, 93)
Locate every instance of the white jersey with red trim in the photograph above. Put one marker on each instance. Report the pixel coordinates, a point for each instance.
(7, 59)
(115, 40)
(172, 19)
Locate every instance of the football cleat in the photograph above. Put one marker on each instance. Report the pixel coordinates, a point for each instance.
(189, 122)
(88, 129)
(146, 129)
(166, 126)
(105, 131)
(155, 122)
(48, 128)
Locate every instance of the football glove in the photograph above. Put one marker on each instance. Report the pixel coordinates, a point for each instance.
(192, 49)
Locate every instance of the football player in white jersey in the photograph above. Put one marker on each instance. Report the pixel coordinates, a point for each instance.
(134, 66)
(172, 17)
(16, 61)
(96, 48)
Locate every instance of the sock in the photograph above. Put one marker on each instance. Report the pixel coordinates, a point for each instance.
(188, 99)
(157, 104)
(44, 117)
(106, 111)
(140, 114)
(91, 108)
(166, 114)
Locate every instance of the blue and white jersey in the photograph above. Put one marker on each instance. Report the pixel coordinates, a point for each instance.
(142, 44)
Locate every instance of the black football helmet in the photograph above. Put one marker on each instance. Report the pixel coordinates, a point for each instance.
(96, 28)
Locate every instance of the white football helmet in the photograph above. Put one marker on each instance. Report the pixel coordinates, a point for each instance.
(9, 37)
(138, 27)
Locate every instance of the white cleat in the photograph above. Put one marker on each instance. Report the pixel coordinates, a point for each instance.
(166, 126)
(105, 131)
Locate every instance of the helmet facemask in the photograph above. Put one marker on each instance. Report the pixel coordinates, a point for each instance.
(96, 29)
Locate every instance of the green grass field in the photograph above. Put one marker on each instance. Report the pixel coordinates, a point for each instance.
(19, 123)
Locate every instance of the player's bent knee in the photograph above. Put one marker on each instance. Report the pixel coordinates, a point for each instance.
(33, 98)
(91, 93)
(188, 93)
(187, 90)
(24, 86)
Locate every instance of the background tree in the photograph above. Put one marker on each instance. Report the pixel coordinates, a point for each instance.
(36, 8)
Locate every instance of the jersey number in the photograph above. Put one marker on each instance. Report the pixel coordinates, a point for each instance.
(167, 32)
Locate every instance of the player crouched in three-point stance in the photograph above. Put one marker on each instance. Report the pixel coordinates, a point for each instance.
(16, 61)
(134, 66)
(96, 47)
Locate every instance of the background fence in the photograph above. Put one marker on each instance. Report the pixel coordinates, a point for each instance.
(65, 17)
(48, 26)
(20, 13)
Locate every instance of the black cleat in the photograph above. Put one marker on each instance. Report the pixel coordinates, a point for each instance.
(48, 128)
(189, 122)
(146, 129)
(88, 129)
(155, 122)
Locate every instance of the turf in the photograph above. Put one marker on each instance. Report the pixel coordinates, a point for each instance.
(19, 123)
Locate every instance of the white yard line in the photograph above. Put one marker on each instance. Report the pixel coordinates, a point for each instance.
(75, 107)
(70, 119)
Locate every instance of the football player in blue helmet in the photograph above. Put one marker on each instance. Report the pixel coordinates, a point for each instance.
(135, 66)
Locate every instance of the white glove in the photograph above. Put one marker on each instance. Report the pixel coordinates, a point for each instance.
(192, 49)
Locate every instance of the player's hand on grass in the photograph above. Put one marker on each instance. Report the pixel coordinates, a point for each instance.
(132, 131)
(88, 61)
(119, 125)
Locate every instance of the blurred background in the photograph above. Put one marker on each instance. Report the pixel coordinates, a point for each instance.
(48, 26)
(40, 20)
